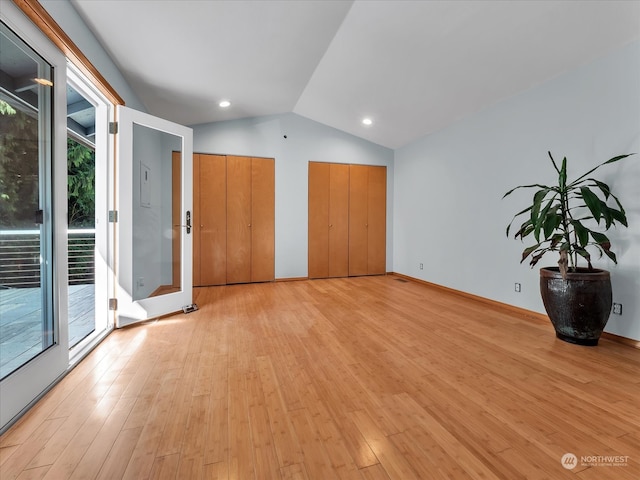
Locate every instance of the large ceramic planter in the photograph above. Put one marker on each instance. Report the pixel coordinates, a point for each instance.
(579, 306)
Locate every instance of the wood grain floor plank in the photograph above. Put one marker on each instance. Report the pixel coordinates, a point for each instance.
(158, 411)
(93, 458)
(193, 447)
(64, 456)
(217, 431)
(19, 459)
(392, 460)
(118, 458)
(316, 460)
(354, 378)
(165, 468)
(216, 471)
(241, 454)
(6, 452)
(285, 442)
(37, 473)
(295, 471)
(374, 472)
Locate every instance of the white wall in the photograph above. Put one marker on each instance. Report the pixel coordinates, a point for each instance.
(306, 140)
(448, 211)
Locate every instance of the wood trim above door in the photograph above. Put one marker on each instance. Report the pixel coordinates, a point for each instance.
(45, 22)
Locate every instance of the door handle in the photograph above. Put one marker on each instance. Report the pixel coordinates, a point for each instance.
(188, 225)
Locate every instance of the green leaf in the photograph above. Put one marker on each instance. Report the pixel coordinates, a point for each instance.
(611, 160)
(528, 251)
(618, 203)
(537, 257)
(562, 180)
(584, 254)
(536, 218)
(611, 255)
(606, 214)
(619, 216)
(592, 201)
(514, 217)
(525, 229)
(604, 188)
(527, 186)
(555, 240)
(602, 240)
(581, 232)
(551, 223)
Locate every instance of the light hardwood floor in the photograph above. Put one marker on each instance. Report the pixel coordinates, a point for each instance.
(369, 378)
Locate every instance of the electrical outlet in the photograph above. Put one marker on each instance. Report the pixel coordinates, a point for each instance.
(617, 308)
(518, 287)
(421, 266)
(140, 282)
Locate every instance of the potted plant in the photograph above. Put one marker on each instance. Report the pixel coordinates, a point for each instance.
(570, 218)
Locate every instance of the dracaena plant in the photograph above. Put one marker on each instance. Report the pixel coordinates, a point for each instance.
(570, 218)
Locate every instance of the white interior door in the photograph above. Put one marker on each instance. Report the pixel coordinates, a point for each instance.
(154, 266)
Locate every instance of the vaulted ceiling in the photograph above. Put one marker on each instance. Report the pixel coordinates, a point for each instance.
(413, 67)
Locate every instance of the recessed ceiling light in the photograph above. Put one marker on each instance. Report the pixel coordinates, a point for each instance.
(367, 121)
(224, 103)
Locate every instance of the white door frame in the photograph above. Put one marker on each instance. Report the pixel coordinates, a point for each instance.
(103, 180)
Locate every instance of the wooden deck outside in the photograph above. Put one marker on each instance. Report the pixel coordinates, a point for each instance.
(21, 323)
(353, 378)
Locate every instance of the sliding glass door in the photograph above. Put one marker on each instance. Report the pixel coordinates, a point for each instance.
(33, 344)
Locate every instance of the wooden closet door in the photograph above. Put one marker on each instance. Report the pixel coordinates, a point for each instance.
(318, 220)
(262, 219)
(238, 219)
(338, 220)
(196, 220)
(176, 219)
(212, 219)
(377, 221)
(358, 219)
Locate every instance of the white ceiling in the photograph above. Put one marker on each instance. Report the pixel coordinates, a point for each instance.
(414, 67)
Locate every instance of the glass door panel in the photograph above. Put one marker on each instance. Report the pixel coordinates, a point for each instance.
(155, 187)
(156, 209)
(26, 324)
(33, 287)
(81, 213)
(88, 180)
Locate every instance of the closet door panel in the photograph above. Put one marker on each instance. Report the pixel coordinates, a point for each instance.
(176, 218)
(238, 219)
(262, 219)
(338, 220)
(318, 220)
(377, 225)
(358, 219)
(213, 219)
(196, 220)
